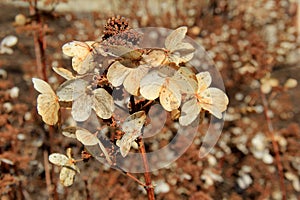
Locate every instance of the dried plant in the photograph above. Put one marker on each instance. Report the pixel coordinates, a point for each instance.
(145, 76)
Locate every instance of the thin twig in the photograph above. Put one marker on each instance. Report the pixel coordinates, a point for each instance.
(274, 144)
(131, 176)
(147, 175)
(47, 173)
(39, 43)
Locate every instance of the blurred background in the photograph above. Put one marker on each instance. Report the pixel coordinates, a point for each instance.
(255, 46)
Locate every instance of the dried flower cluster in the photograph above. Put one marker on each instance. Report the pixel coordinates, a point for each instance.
(149, 76)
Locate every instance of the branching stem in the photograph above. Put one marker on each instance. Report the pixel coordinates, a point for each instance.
(274, 144)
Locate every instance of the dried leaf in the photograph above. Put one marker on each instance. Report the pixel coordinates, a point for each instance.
(68, 170)
(63, 73)
(179, 52)
(58, 159)
(118, 74)
(70, 131)
(82, 53)
(208, 98)
(132, 127)
(103, 103)
(86, 138)
(47, 102)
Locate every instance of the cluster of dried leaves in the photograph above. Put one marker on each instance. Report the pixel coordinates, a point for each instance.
(147, 75)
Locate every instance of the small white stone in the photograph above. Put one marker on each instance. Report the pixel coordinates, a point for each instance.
(246, 168)
(258, 141)
(258, 109)
(236, 130)
(239, 96)
(244, 181)
(291, 83)
(21, 136)
(277, 195)
(207, 179)
(219, 154)
(281, 141)
(14, 92)
(3, 74)
(161, 187)
(255, 84)
(211, 160)
(257, 154)
(242, 148)
(294, 179)
(185, 176)
(267, 158)
(9, 41)
(20, 19)
(8, 107)
(172, 181)
(7, 161)
(27, 116)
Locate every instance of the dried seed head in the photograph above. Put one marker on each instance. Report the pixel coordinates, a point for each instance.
(118, 32)
(114, 26)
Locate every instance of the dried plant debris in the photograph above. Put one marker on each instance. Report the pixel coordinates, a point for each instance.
(253, 44)
(68, 164)
(6, 44)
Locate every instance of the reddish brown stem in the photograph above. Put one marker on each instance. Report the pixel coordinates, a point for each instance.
(147, 175)
(47, 172)
(135, 179)
(274, 144)
(39, 42)
(132, 177)
(39, 47)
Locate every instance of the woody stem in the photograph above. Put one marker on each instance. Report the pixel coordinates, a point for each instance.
(147, 175)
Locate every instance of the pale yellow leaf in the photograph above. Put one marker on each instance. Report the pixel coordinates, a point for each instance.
(155, 58)
(48, 107)
(125, 145)
(214, 100)
(63, 73)
(189, 112)
(170, 97)
(204, 80)
(103, 103)
(81, 108)
(67, 175)
(69, 131)
(82, 60)
(42, 86)
(186, 80)
(58, 159)
(117, 73)
(86, 138)
(134, 123)
(132, 127)
(175, 38)
(47, 102)
(133, 79)
(65, 91)
(151, 84)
